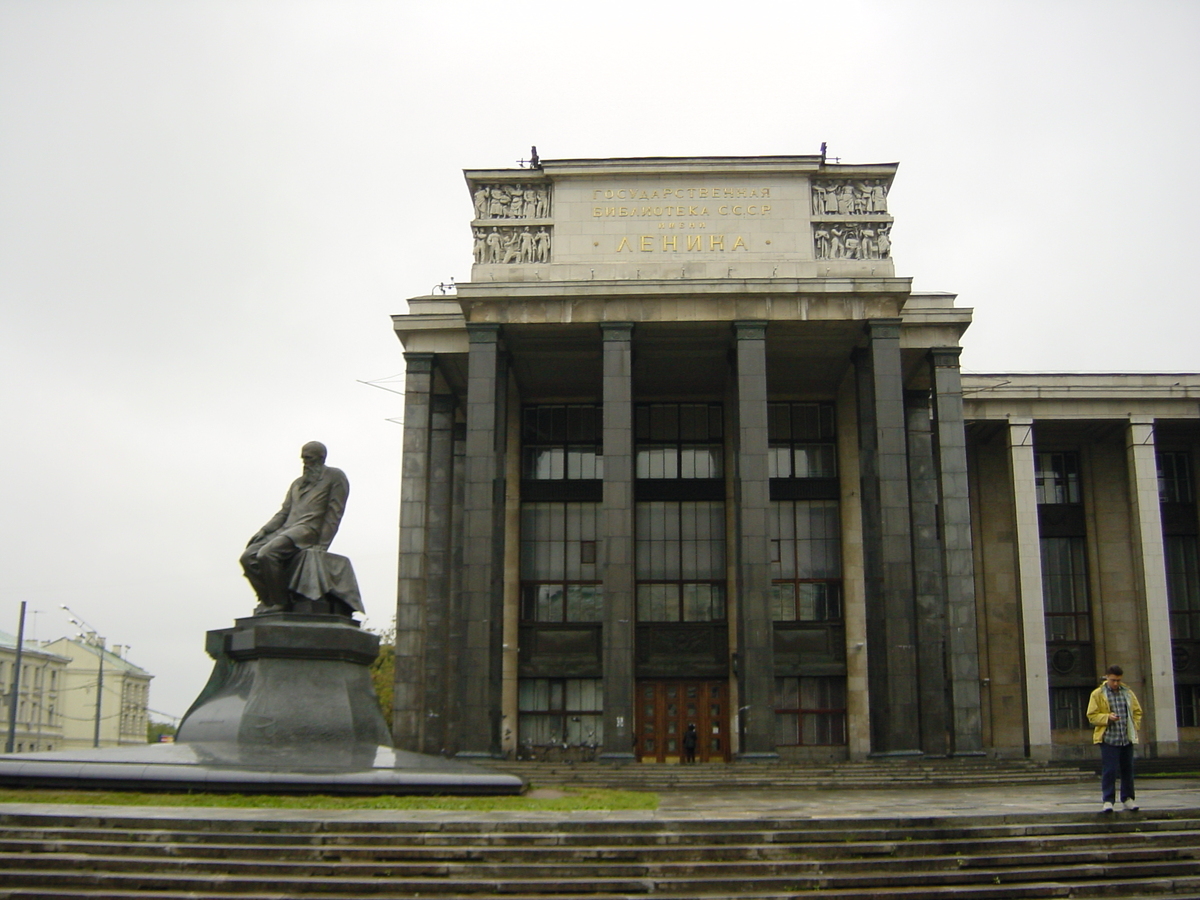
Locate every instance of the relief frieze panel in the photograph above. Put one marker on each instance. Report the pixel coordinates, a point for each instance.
(511, 245)
(849, 197)
(512, 201)
(852, 240)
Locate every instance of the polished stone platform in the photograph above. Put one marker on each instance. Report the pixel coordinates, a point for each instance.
(212, 767)
(289, 708)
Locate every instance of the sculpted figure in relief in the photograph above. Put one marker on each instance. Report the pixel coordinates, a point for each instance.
(511, 246)
(512, 201)
(493, 245)
(849, 198)
(852, 240)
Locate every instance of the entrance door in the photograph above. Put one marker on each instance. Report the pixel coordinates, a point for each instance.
(666, 708)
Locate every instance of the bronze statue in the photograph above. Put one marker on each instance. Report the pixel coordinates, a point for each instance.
(286, 560)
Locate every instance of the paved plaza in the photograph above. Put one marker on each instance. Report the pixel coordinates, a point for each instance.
(1154, 795)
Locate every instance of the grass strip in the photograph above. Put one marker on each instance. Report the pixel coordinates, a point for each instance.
(565, 800)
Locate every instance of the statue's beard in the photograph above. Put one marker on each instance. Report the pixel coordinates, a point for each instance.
(312, 471)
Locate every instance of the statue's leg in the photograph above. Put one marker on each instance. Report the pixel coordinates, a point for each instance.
(253, 571)
(273, 559)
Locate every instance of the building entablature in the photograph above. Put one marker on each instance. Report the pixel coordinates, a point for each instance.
(1081, 396)
(688, 218)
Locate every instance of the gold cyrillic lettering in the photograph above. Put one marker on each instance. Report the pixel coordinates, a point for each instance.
(715, 241)
(672, 241)
(647, 243)
(738, 242)
(624, 245)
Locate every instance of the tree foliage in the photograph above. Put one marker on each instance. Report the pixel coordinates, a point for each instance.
(383, 672)
(156, 730)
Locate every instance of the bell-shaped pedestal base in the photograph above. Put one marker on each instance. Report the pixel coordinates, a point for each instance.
(289, 689)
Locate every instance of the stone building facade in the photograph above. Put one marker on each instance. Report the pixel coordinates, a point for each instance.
(39, 688)
(686, 451)
(124, 690)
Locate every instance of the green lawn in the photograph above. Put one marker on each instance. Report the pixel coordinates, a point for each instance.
(566, 800)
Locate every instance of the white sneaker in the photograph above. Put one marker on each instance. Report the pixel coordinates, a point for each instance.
(1130, 806)
(1107, 807)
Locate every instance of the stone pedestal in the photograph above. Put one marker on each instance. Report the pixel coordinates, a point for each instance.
(290, 689)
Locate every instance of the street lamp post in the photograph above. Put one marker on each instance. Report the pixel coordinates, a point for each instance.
(15, 685)
(93, 638)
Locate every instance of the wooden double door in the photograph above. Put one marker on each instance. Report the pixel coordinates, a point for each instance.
(666, 708)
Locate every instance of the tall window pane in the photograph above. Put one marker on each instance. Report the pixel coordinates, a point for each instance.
(806, 560)
(560, 575)
(680, 561)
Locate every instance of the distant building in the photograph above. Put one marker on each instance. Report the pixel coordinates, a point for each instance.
(39, 710)
(686, 450)
(125, 698)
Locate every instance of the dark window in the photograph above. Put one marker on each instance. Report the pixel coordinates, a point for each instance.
(680, 561)
(1057, 477)
(1065, 589)
(806, 561)
(810, 711)
(1174, 477)
(562, 442)
(1187, 705)
(560, 579)
(1068, 707)
(560, 711)
(1183, 585)
(678, 440)
(802, 440)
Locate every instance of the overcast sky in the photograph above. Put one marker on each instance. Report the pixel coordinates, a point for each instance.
(209, 210)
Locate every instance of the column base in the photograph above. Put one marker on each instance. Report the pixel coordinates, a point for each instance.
(758, 757)
(616, 757)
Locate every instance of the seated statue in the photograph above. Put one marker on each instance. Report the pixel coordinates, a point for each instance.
(287, 562)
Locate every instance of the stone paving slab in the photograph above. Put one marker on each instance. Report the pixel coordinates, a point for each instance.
(1154, 795)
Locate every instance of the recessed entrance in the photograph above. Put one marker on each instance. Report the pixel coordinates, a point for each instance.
(666, 708)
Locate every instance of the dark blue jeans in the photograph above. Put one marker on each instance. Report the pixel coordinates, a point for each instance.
(1114, 759)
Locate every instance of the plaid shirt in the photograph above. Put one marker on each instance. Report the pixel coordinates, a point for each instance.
(1117, 732)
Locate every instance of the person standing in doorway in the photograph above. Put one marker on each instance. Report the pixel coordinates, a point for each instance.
(690, 739)
(1117, 715)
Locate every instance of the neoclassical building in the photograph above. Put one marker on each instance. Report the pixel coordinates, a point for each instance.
(686, 451)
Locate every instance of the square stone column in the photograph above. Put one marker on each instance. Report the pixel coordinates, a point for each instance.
(408, 699)
(756, 636)
(439, 564)
(958, 559)
(929, 591)
(892, 669)
(1150, 569)
(1029, 579)
(480, 664)
(617, 541)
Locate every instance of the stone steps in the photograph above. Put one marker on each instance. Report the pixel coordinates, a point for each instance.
(61, 855)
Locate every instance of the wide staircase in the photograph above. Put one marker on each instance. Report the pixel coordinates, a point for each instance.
(254, 856)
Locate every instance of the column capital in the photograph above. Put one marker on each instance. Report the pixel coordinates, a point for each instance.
(483, 333)
(616, 331)
(883, 329)
(418, 362)
(945, 357)
(750, 330)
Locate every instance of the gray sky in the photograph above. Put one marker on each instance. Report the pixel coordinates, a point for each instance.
(208, 211)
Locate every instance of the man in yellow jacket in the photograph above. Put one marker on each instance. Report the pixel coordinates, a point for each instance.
(1117, 715)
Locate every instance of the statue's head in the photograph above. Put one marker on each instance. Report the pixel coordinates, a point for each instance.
(313, 454)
